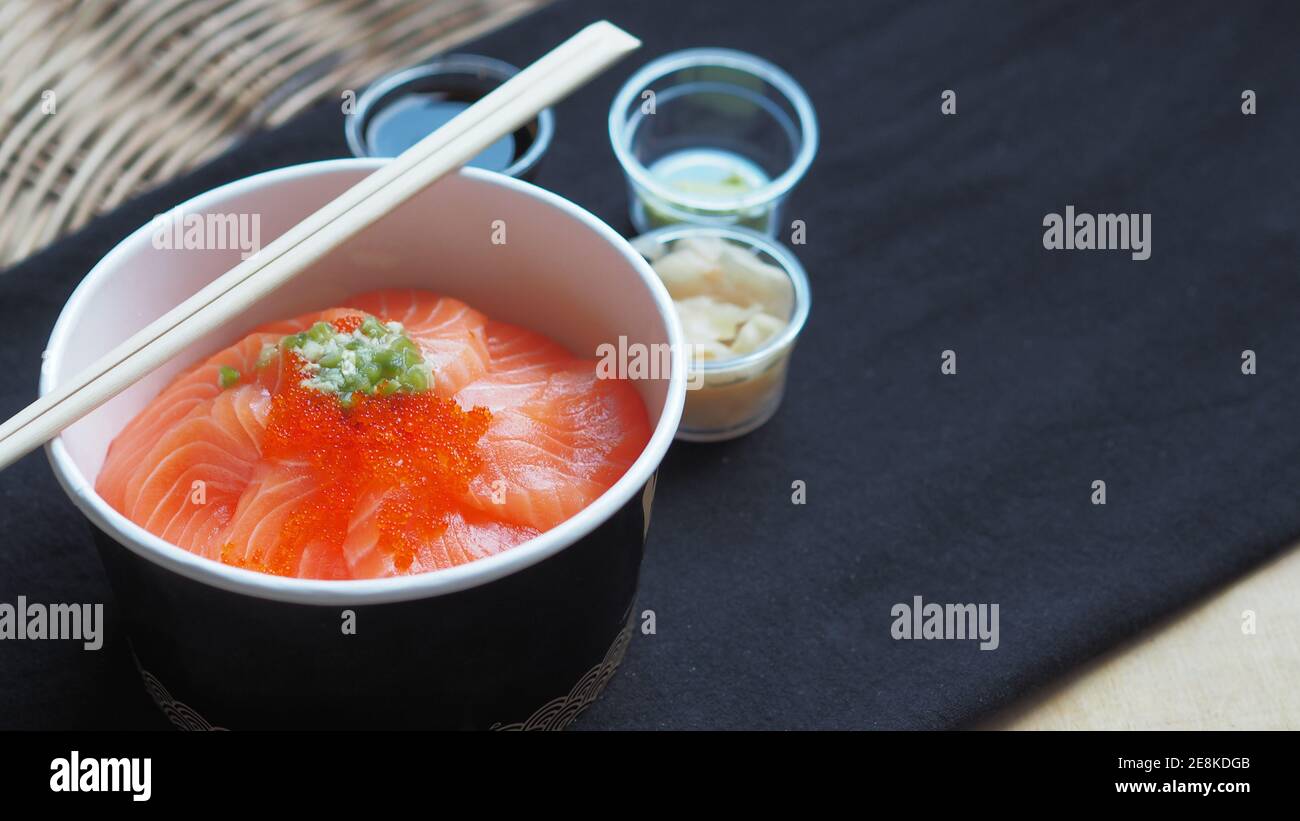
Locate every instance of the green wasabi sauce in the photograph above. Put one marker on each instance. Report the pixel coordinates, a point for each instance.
(377, 359)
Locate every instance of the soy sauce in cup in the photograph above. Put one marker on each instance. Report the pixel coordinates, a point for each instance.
(400, 109)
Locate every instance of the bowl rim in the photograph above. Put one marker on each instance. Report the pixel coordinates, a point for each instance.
(367, 591)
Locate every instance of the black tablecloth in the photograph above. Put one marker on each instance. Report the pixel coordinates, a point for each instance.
(924, 234)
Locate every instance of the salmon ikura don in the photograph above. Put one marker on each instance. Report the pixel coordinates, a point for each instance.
(401, 434)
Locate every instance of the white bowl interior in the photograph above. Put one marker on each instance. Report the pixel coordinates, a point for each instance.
(559, 271)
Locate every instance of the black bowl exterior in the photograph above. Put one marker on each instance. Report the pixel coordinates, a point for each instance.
(526, 651)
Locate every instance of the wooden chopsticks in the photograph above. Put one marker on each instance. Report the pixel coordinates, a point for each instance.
(549, 79)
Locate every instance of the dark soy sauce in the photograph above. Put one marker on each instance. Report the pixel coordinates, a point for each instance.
(402, 122)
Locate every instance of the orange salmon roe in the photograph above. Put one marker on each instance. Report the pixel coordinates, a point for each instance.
(417, 449)
(348, 324)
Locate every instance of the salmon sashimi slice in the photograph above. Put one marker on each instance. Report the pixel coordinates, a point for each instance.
(449, 333)
(467, 535)
(552, 455)
(256, 539)
(472, 535)
(194, 390)
(560, 436)
(191, 480)
(520, 364)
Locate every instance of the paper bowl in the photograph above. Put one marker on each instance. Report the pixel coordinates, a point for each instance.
(526, 638)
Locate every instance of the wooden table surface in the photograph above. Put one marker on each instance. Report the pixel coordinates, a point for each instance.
(1198, 671)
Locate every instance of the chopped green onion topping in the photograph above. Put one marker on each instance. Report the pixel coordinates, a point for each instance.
(227, 376)
(376, 359)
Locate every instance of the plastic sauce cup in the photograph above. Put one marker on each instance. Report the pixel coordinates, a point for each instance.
(728, 398)
(399, 109)
(713, 137)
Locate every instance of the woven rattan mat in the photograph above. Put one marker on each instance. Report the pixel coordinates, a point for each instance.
(100, 99)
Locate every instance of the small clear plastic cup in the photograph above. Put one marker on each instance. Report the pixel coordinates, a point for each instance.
(399, 109)
(728, 398)
(712, 137)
